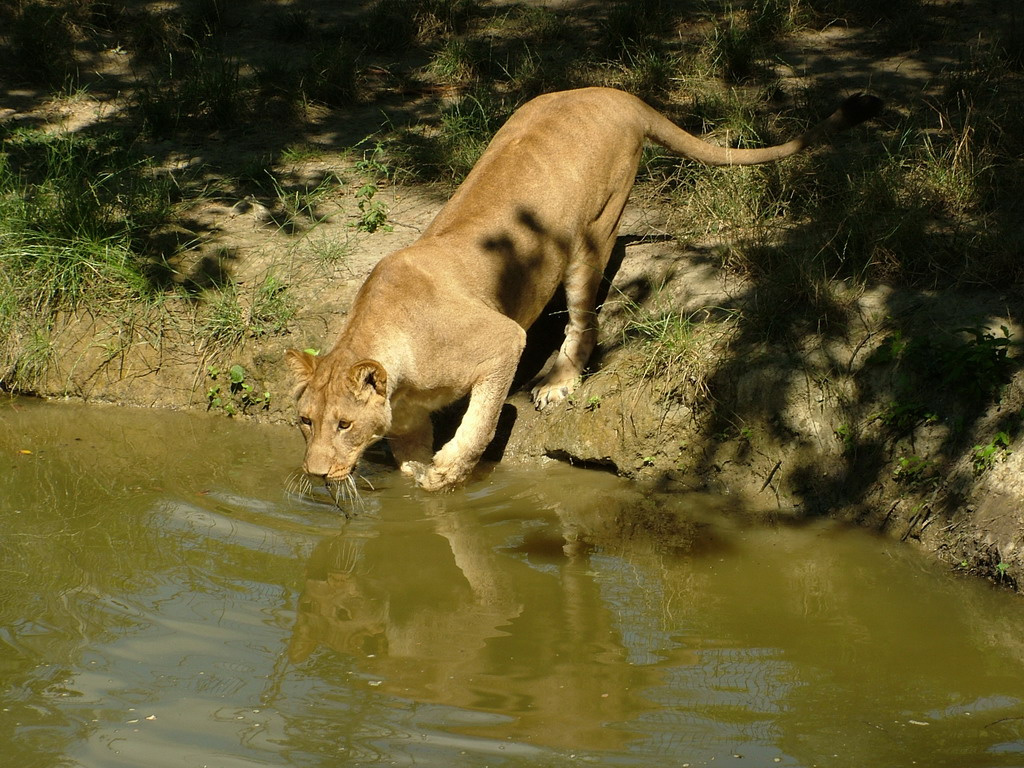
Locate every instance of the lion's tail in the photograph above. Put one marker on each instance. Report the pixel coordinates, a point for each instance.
(856, 109)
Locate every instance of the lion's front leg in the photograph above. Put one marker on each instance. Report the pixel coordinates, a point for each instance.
(412, 442)
(456, 459)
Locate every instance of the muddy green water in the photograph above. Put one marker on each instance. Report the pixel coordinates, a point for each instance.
(164, 602)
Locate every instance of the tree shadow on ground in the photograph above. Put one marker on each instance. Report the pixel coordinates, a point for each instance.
(234, 89)
(903, 394)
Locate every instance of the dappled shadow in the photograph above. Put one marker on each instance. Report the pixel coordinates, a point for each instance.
(228, 87)
(907, 402)
(236, 87)
(237, 76)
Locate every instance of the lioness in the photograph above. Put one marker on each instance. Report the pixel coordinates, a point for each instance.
(448, 315)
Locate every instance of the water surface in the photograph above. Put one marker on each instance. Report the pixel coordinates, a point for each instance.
(165, 602)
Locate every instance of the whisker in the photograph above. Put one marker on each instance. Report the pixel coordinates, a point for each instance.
(345, 495)
(354, 496)
(345, 557)
(299, 484)
(337, 495)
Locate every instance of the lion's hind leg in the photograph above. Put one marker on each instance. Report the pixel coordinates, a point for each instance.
(581, 285)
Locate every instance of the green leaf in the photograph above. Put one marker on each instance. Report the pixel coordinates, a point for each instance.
(237, 373)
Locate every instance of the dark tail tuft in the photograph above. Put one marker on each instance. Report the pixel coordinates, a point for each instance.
(860, 107)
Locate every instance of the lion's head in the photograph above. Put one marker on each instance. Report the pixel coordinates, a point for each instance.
(343, 409)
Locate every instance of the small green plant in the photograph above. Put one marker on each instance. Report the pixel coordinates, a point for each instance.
(31, 360)
(914, 471)
(448, 150)
(713, 203)
(332, 76)
(292, 26)
(201, 89)
(301, 153)
(302, 204)
(373, 163)
(741, 39)
(535, 22)
(455, 62)
(223, 318)
(328, 250)
(648, 73)
(901, 417)
(227, 316)
(466, 127)
(980, 365)
(373, 214)
(936, 374)
(444, 17)
(230, 392)
(674, 345)
(733, 47)
(985, 456)
(271, 309)
(846, 435)
(630, 25)
(390, 25)
(42, 36)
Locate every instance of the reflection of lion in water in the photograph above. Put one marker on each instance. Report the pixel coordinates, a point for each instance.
(443, 605)
(349, 601)
(338, 607)
(447, 316)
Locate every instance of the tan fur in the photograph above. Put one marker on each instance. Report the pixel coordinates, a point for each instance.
(448, 315)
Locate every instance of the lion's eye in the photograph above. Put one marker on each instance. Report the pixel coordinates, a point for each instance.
(306, 421)
(343, 425)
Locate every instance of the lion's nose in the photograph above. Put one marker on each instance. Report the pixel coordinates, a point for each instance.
(329, 472)
(316, 467)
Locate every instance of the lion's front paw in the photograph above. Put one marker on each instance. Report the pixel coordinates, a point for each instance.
(427, 476)
(442, 477)
(548, 393)
(413, 469)
(436, 480)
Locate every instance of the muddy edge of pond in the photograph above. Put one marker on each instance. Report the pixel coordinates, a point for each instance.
(886, 414)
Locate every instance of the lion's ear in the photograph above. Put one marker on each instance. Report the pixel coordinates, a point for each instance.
(303, 365)
(368, 376)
